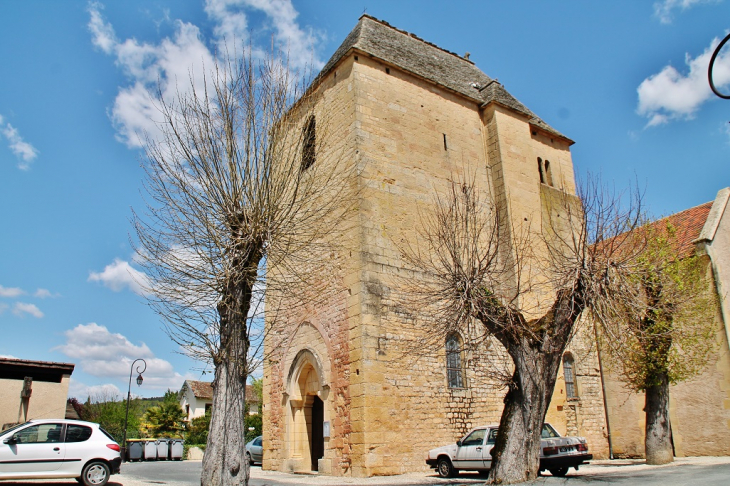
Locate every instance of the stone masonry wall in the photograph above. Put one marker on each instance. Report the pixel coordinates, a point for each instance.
(322, 327)
(388, 399)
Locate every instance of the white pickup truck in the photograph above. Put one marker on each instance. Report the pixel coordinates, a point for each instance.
(473, 452)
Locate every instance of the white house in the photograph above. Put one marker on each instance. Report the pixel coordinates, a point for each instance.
(196, 397)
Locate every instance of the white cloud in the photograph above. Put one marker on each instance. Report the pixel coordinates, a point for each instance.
(103, 354)
(671, 95)
(663, 9)
(81, 391)
(169, 64)
(120, 275)
(22, 149)
(11, 291)
(102, 32)
(232, 28)
(21, 308)
(231, 23)
(3, 307)
(45, 293)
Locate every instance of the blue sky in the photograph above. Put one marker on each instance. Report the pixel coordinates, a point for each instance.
(625, 79)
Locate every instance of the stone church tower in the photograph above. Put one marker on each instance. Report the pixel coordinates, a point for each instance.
(343, 392)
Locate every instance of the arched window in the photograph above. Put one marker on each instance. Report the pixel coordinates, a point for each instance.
(569, 373)
(454, 370)
(309, 142)
(541, 170)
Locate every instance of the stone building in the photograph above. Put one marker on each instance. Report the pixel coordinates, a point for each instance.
(32, 389)
(344, 391)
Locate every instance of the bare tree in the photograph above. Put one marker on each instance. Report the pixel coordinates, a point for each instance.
(659, 330)
(235, 190)
(524, 286)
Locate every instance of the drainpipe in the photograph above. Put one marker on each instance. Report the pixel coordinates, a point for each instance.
(603, 389)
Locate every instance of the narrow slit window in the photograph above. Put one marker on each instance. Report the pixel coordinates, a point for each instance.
(454, 370)
(446, 146)
(541, 170)
(309, 143)
(569, 373)
(548, 173)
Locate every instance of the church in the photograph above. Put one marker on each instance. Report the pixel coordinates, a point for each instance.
(346, 393)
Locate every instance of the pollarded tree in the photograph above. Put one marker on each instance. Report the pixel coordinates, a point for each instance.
(526, 287)
(235, 186)
(659, 330)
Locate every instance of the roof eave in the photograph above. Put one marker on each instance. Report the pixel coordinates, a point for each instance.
(529, 118)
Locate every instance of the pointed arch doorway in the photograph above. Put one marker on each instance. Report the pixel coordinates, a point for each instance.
(305, 427)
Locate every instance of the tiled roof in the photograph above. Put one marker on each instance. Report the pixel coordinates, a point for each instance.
(201, 389)
(45, 365)
(204, 390)
(688, 224)
(428, 61)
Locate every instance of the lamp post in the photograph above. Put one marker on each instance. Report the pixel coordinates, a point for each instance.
(129, 395)
(712, 64)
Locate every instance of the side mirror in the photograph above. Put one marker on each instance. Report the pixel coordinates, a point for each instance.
(10, 440)
(458, 443)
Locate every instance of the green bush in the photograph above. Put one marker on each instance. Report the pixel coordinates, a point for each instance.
(253, 425)
(197, 431)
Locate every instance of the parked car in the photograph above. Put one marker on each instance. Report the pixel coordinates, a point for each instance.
(59, 448)
(473, 452)
(255, 451)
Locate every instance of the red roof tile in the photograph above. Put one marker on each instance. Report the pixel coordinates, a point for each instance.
(688, 224)
(204, 390)
(201, 389)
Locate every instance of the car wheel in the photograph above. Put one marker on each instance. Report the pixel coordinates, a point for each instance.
(95, 474)
(446, 469)
(559, 471)
(249, 459)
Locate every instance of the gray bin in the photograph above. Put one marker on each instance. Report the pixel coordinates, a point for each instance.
(176, 449)
(162, 449)
(135, 450)
(150, 450)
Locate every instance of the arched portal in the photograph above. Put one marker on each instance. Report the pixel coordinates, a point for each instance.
(307, 396)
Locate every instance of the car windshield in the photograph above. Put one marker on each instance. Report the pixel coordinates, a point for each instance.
(11, 429)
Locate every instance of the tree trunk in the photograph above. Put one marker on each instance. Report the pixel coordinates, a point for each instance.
(224, 461)
(658, 443)
(516, 455)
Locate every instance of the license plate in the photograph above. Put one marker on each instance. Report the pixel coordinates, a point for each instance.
(566, 449)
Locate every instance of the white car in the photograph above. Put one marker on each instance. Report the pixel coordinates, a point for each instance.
(59, 448)
(474, 452)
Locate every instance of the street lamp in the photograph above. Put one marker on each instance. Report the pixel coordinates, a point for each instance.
(129, 395)
(712, 63)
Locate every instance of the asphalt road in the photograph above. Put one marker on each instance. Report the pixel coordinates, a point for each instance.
(710, 471)
(684, 471)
